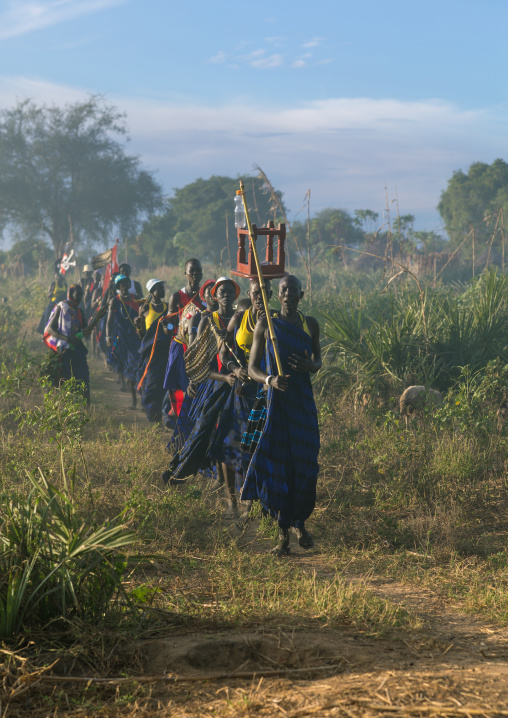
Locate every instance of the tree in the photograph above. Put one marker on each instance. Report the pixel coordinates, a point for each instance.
(328, 229)
(474, 200)
(199, 221)
(367, 220)
(63, 170)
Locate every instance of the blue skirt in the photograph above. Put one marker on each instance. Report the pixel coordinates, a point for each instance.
(176, 377)
(283, 470)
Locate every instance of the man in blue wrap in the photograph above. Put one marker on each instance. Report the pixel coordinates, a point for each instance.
(175, 380)
(121, 335)
(225, 445)
(283, 470)
(153, 317)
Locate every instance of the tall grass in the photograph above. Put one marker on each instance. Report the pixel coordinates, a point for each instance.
(382, 344)
(52, 563)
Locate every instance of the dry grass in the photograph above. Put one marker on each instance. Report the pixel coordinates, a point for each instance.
(427, 507)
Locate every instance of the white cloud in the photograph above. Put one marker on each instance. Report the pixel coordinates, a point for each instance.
(344, 149)
(21, 16)
(301, 61)
(268, 62)
(218, 58)
(275, 40)
(315, 42)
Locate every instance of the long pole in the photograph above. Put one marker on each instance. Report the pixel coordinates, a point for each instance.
(262, 284)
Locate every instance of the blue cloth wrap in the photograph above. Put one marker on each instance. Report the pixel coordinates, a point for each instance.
(283, 470)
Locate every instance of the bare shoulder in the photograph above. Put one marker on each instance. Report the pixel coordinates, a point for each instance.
(235, 320)
(174, 301)
(313, 325)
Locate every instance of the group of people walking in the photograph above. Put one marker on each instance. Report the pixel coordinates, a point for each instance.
(204, 365)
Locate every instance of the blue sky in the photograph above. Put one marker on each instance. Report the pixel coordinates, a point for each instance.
(345, 99)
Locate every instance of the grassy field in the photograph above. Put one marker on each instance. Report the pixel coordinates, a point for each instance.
(119, 597)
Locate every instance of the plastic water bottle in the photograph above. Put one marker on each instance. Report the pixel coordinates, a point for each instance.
(240, 220)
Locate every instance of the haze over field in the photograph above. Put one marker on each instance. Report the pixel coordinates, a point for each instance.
(334, 97)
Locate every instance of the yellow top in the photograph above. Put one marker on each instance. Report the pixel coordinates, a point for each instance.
(245, 333)
(305, 326)
(58, 290)
(216, 320)
(152, 315)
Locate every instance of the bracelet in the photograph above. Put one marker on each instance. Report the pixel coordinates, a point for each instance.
(267, 380)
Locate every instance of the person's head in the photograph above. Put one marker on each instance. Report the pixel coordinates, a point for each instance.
(125, 269)
(156, 288)
(87, 271)
(123, 283)
(97, 276)
(225, 291)
(256, 295)
(290, 292)
(75, 293)
(206, 294)
(194, 273)
(243, 304)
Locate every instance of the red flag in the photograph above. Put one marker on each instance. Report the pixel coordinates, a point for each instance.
(111, 267)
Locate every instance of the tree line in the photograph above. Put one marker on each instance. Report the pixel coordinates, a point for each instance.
(65, 174)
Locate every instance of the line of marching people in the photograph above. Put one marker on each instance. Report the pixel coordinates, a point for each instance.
(236, 412)
(259, 427)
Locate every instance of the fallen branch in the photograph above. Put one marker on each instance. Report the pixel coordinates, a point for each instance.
(184, 679)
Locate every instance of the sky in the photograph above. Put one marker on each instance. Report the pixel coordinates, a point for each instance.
(369, 105)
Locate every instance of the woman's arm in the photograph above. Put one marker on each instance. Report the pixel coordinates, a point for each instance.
(109, 325)
(256, 355)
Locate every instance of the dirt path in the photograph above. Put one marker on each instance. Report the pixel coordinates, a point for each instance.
(456, 666)
(106, 395)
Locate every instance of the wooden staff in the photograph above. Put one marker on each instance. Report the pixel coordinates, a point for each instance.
(262, 284)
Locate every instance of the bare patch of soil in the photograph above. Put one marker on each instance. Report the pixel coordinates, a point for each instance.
(106, 394)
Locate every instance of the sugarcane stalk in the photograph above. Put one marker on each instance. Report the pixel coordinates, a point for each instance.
(262, 284)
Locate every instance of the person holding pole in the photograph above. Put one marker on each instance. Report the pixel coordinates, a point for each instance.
(283, 430)
(283, 470)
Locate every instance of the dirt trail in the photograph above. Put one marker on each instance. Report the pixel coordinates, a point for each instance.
(456, 666)
(106, 394)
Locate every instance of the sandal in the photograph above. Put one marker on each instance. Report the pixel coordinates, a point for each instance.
(282, 548)
(305, 540)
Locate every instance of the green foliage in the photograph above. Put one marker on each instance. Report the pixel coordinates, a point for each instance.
(61, 164)
(328, 229)
(62, 416)
(28, 251)
(469, 407)
(471, 199)
(52, 564)
(378, 345)
(194, 223)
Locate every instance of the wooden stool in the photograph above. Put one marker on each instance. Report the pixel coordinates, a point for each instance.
(245, 263)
